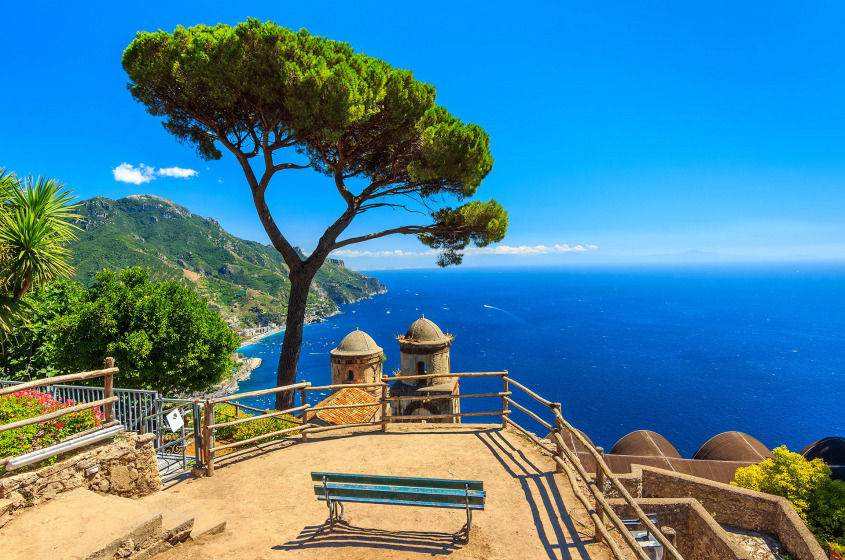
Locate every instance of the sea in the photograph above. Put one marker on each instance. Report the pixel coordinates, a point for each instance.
(687, 351)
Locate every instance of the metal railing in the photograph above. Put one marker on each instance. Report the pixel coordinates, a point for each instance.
(133, 407)
(171, 451)
(107, 428)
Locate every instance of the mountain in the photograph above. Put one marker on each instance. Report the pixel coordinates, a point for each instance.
(246, 280)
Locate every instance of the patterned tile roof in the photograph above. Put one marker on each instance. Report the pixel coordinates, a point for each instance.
(351, 395)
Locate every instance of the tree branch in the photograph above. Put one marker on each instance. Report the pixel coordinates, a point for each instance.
(404, 230)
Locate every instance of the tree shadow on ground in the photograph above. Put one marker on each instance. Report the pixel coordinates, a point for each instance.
(542, 495)
(345, 535)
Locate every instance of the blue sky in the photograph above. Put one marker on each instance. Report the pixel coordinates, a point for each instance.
(633, 130)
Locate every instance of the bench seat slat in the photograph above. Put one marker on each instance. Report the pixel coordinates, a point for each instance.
(398, 481)
(406, 503)
(341, 492)
(410, 489)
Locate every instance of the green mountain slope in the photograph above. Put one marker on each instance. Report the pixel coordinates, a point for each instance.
(246, 280)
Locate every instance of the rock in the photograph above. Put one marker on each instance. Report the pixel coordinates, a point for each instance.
(103, 486)
(5, 506)
(17, 499)
(121, 480)
(52, 490)
(144, 439)
(126, 549)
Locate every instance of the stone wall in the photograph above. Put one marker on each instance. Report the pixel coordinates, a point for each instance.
(125, 466)
(699, 537)
(734, 506)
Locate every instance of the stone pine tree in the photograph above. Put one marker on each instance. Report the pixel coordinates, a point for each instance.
(281, 100)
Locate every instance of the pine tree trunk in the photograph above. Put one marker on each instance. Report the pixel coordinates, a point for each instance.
(300, 282)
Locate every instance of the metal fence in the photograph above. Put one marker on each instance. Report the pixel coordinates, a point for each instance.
(135, 409)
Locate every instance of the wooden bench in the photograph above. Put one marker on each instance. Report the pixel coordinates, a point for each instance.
(336, 488)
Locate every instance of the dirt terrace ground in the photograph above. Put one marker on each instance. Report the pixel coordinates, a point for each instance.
(267, 498)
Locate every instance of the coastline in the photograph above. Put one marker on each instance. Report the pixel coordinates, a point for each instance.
(254, 339)
(311, 319)
(230, 386)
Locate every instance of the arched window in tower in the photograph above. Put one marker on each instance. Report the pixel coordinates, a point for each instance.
(350, 376)
(420, 368)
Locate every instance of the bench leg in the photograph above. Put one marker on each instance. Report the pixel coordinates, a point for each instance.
(469, 512)
(469, 523)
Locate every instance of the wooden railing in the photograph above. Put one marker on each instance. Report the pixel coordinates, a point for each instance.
(107, 403)
(566, 460)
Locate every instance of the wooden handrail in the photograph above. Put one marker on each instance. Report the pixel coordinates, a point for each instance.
(529, 413)
(531, 436)
(265, 436)
(435, 397)
(259, 417)
(600, 464)
(318, 429)
(258, 393)
(531, 393)
(57, 380)
(456, 415)
(573, 483)
(56, 414)
(451, 374)
(340, 406)
(345, 386)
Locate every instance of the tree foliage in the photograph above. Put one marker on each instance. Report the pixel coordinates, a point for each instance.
(36, 217)
(162, 334)
(26, 353)
(807, 485)
(266, 93)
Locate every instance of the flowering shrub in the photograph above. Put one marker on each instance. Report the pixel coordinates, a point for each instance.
(247, 430)
(807, 485)
(29, 404)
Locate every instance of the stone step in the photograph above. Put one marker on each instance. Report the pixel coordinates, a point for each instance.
(170, 503)
(82, 525)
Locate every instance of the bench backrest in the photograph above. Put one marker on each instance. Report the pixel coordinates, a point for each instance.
(398, 481)
(400, 490)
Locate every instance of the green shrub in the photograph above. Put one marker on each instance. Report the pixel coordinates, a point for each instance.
(807, 485)
(247, 430)
(29, 404)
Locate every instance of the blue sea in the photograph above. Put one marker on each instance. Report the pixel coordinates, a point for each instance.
(686, 351)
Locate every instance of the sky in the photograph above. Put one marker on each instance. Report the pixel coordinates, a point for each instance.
(621, 131)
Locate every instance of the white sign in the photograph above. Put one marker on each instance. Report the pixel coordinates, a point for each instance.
(174, 420)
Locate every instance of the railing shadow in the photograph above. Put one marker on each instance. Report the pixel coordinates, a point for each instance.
(345, 535)
(537, 482)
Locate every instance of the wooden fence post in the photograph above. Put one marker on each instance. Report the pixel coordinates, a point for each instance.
(384, 407)
(600, 487)
(303, 397)
(208, 438)
(505, 401)
(559, 430)
(108, 390)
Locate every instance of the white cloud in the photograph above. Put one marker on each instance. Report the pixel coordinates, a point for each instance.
(177, 172)
(126, 173)
(497, 250)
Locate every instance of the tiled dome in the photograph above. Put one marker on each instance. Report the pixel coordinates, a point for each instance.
(424, 330)
(357, 343)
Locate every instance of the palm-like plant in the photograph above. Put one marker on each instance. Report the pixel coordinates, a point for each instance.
(35, 226)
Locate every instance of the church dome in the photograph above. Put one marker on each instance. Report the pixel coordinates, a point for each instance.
(832, 451)
(733, 446)
(357, 343)
(645, 443)
(424, 330)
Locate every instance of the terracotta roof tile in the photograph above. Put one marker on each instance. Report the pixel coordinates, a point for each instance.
(351, 395)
